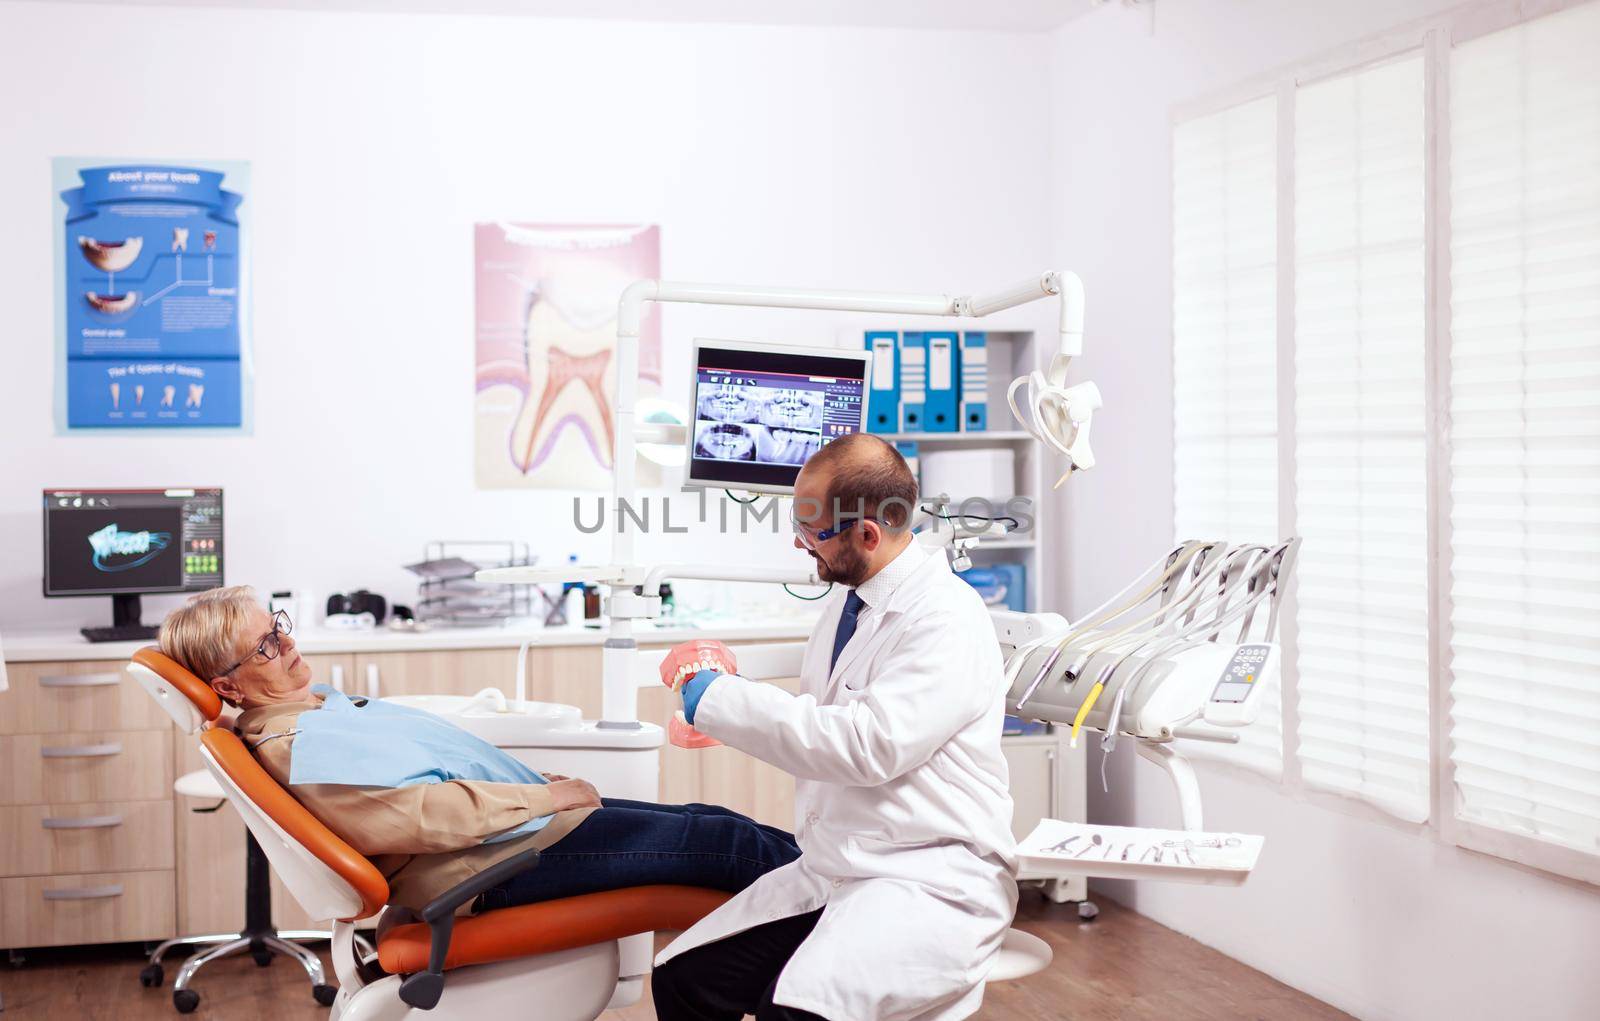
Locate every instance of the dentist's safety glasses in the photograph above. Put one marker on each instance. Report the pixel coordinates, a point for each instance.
(811, 537)
(683, 662)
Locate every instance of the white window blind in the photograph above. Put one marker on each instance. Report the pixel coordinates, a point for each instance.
(1360, 441)
(1225, 404)
(1524, 554)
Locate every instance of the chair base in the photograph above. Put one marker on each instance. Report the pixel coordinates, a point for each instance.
(570, 985)
(259, 938)
(262, 946)
(1021, 954)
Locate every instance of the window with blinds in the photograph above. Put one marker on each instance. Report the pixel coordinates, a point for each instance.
(1225, 401)
(1524, 549)
(1360, 437)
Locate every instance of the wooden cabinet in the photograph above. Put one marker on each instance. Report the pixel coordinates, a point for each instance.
(110, 907)
(569, 675)
(47, 698)
(747, 785)
(337, 670)
(463, 672)
(133, 765)
(86, 832)
(87, 837)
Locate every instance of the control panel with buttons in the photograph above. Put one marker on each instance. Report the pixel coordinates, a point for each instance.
(1233, 701)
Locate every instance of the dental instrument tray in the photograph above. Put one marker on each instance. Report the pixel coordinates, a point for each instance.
(1057, 849)
(448, 594)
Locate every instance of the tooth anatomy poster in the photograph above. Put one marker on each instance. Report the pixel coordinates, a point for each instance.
(546, 335)
(151, 295)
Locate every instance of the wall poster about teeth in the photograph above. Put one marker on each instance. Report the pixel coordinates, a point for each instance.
(151, 295)
(546, 333)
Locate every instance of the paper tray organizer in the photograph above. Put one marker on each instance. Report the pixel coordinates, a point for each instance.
(1055, 849)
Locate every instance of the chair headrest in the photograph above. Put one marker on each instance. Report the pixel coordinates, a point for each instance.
(186, 698)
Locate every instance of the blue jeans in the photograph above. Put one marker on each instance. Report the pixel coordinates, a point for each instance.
(635, 843)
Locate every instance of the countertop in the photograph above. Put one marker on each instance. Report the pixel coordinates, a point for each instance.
(60, 646)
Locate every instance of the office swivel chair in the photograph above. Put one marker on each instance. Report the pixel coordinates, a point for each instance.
(259, 936)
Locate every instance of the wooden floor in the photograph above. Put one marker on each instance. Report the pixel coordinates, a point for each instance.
(1121, 966)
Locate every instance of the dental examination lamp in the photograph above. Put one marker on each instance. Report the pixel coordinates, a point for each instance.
(1059, 417)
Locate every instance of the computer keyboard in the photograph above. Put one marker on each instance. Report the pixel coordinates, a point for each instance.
(122, 633)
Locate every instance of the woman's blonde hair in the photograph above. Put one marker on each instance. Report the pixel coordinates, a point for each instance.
(203, 633)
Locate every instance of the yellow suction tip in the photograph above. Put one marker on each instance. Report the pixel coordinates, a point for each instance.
(1083, 711)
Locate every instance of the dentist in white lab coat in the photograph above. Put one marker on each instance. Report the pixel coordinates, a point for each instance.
(905, 887)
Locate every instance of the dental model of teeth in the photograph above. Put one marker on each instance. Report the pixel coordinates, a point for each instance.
(683, 662)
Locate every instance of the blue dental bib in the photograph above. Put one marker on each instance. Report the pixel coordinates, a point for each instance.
(375, 743)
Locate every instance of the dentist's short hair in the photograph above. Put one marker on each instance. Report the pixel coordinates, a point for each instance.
(203, 633)
(866, 475)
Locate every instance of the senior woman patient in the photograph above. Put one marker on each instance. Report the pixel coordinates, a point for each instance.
(426, 837)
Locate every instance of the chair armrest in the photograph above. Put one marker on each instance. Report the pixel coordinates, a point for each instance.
(423, 989)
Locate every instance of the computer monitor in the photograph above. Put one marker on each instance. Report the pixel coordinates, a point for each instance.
(760, 410)
(124, 543)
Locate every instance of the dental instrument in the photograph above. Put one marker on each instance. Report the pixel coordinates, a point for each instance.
(1190, 554)
(1170, 606)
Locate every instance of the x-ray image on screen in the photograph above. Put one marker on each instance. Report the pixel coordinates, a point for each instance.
(791, 409)
(761, 411)
(747, 421)
(729, 403)
(725, 441)
(786, 446)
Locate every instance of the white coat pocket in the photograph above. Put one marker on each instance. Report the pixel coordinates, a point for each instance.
(943, 868)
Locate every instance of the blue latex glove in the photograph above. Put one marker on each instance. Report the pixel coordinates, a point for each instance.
(694, 689)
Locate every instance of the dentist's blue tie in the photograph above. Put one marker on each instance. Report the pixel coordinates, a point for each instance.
(847, 626)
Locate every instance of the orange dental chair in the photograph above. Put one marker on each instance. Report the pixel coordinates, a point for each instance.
(557, 959)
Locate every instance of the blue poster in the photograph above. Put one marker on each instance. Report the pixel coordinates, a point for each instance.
(152, 296)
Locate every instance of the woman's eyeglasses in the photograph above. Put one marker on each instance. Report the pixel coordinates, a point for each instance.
(271, 643)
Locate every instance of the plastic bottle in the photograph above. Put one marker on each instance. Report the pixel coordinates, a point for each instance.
(572, 597)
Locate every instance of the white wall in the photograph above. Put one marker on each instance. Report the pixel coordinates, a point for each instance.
(1378, 920)
(846, 157)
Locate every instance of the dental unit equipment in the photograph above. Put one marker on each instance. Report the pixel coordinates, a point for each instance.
(1168, 653)
(1180, 656)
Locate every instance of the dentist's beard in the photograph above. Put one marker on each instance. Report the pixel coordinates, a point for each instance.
(847, 566)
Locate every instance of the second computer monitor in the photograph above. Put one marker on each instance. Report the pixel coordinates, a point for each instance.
(124, 543)
(761, 410)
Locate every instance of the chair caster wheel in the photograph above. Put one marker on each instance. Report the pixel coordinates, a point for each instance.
(1087, 911)
(325, 995)
(152, 975)
(261, 957)
(186, 1000)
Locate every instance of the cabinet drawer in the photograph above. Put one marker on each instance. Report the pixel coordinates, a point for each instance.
(100, 907)
(54, 769)
(48, 698)
(93, 836)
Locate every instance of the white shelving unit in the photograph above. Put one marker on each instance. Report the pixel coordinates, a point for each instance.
(1048, 778)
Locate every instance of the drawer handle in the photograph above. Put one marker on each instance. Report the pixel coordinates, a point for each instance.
(81, 681)
(82, 751)
(83, 822)
(85, 892)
